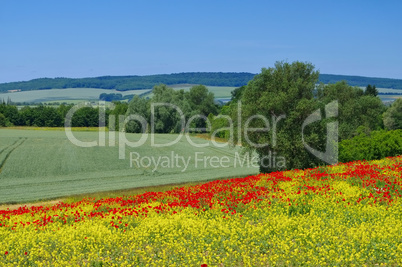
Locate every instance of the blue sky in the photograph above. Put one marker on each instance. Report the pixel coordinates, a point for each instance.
(94, 38)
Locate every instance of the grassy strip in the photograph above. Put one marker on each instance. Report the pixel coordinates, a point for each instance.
(76, 129)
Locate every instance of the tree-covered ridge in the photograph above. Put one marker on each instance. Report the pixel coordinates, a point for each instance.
(124, 83)
(362, 81)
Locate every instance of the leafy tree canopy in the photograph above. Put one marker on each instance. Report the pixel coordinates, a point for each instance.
(393, 116)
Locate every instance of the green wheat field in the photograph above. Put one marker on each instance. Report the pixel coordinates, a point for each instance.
(43, 164)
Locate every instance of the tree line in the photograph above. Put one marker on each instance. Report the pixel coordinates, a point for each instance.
(50, 116)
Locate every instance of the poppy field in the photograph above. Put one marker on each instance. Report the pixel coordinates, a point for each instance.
(342, 215)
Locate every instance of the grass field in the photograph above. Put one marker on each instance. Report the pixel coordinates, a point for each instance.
(42, 164)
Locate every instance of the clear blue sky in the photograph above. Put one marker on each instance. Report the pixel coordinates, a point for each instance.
(94, 38)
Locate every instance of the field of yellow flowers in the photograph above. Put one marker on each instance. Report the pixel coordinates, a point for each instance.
(346, 214)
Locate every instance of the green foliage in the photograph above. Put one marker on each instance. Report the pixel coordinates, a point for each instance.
(393, 116)
(371, 90)
(237, 93)
(48, 116)
(375, 145)
(63, 110)
(355, 108)
(85, 117)
(167, 118)
(140, 107)
(286, 90)
(201, 102)
(41, 116)
(120, 108)
(11, 113)
(221, 124)
(3, 120)
(172, 109)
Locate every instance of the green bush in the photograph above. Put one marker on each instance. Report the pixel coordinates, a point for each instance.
(375, 145)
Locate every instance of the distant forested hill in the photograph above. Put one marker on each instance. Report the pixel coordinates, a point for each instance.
(124, 83)
(362, 81)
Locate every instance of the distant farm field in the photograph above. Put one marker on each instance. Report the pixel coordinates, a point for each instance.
(390, 94)
(75, 95)
(69, 95)
(36, 164)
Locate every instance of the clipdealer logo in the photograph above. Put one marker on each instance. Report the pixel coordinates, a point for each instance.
(330, 155)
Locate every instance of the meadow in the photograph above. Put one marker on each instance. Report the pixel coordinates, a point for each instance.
(342, 215)
(41, 164)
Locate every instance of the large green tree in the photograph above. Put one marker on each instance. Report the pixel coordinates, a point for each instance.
(139, 107)
(274, 106)
(201, 103)
(168, 109)
(293, 123)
